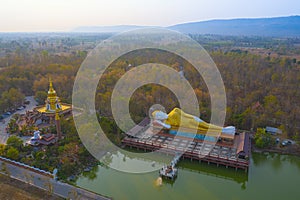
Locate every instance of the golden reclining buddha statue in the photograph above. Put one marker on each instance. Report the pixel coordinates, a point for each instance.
(177, 118)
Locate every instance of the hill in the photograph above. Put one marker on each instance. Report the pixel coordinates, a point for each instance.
(275, 27)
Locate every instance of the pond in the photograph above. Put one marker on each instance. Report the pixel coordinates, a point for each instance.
(271, 176)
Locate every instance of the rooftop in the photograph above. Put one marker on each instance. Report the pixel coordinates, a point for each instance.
(42, 109)
(144, 135)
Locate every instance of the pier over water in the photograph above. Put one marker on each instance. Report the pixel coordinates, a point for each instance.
(233, 154)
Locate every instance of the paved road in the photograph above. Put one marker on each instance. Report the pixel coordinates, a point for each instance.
(3, 133)
(39, 180)
(47, 183)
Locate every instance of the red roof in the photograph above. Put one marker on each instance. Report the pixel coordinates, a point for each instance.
(244, 144)
(48, 137)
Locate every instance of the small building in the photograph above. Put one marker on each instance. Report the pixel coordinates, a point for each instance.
(46, 139)
(273, 130)
(243, 146)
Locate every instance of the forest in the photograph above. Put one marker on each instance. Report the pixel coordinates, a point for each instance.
(262, 89)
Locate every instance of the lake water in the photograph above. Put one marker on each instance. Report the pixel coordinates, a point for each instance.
(271, 176)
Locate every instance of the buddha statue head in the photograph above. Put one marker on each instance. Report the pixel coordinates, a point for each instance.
(159, 115)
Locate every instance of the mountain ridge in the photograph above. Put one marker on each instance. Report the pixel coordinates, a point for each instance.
(274, 26)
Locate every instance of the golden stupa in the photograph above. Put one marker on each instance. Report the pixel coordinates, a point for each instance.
(53, 104)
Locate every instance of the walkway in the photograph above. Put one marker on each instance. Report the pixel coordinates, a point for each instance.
(47, 183)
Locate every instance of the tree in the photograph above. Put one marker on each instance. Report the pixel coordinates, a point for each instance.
(14, 141)
(45, 55)
(39, 156)
(2, 149)
(11, 99)
(40, 97)
(13, 126)
(12, 153)
(262, 138)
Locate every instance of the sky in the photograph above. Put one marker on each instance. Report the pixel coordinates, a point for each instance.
(64, 15)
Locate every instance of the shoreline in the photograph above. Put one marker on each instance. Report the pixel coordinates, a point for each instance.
(283, 151)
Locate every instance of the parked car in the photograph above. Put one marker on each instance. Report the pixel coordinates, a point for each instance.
(286, 142)
(20, 108)
(5, 115)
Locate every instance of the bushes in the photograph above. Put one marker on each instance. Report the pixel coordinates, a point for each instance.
(12, 153)
(13, 148)
(263, 139)
(15, 142)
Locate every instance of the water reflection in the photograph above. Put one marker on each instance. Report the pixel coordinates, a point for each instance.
(277, 160)
(91, 174)
(158, 182)
(238, 176)
(132, 163)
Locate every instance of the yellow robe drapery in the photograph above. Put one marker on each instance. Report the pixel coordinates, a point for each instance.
(178, 118)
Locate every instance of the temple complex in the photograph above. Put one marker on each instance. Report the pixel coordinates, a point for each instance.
(46, 115)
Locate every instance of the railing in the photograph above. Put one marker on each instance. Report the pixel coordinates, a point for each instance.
(25, 166)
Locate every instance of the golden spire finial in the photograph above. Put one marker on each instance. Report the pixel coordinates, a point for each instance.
(50, 82)
(51, 89)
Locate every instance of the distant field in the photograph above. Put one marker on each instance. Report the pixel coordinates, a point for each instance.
(17, 190)
(265, 52)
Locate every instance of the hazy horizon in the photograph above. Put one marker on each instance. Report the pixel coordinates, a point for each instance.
(56, 16)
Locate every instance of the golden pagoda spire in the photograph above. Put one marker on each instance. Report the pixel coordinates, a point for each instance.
(50, 83)
(52, 102)
(51, 90)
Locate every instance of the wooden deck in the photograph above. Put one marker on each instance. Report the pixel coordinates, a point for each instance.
(197, 150)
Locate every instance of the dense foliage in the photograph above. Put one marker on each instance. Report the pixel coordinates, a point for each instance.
(69, 156)
(262, 89)
(262, 139)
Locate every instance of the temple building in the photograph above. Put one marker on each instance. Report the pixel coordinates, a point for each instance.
(46, 115)
(52, 106)
(46, 139)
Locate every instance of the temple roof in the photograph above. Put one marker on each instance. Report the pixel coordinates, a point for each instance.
(53, 104)
(42, 109)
